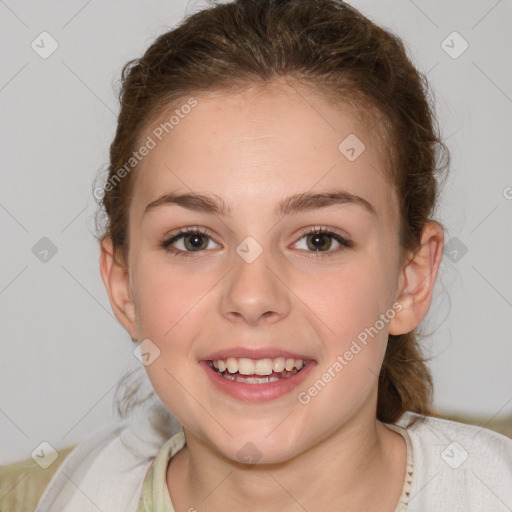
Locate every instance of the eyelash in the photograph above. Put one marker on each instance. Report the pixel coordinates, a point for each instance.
(344, 242)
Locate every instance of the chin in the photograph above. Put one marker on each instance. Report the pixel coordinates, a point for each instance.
(250, 450)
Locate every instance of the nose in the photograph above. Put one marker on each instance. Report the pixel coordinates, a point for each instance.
(255, 292)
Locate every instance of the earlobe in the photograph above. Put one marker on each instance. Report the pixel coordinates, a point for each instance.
(417, 280)
(116, 279)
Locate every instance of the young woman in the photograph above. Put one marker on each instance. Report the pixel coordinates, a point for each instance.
(270, 246)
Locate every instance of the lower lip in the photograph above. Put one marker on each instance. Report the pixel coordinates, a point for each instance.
(257, 392)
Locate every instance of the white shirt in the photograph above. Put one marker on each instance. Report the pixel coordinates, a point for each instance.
(458, 467)
(451, 467)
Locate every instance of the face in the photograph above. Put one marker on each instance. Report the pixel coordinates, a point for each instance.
(270, 276)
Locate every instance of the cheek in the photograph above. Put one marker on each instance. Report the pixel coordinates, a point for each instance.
(166, 295)
(169, 314)
(350, 298)
(350, 301)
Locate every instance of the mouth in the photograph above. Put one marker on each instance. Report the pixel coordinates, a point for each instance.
(261, 371)
(257, 380)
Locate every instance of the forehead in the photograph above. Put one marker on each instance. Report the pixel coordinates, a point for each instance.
(260, 145)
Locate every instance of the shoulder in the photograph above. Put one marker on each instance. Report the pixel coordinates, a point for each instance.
(459, 465)
(478, 441)
(110, 464)
(23, 482)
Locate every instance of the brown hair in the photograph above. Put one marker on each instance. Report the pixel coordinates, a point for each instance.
(332, 48)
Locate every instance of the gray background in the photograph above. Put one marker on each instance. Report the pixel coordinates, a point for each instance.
(62, 348)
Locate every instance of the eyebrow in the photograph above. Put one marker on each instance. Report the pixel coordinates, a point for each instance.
(214, 204)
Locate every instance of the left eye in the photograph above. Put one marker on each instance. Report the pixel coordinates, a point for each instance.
(321, 240)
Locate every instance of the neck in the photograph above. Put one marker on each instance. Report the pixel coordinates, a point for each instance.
(360, 466)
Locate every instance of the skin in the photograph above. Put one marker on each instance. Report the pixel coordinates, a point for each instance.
(253, 149)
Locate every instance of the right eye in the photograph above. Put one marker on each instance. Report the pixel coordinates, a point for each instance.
(191, 240)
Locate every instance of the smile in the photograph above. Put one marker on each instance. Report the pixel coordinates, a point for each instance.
(259, 371)
(257, 380)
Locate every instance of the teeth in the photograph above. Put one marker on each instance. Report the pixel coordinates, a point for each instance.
(245, 366)
(259, 380)
(251, 380)
(278, 364)
(232, 365)
(261, 366)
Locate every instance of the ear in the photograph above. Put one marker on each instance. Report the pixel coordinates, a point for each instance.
(417, 279)
(116, 279)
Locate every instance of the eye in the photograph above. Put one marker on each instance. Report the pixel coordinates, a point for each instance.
(188, 241)
(319, 239)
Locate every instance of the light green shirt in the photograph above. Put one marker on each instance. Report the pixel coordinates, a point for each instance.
(155, 494)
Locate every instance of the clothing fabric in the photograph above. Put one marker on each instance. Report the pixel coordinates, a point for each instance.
(23, 482)
(451, 467)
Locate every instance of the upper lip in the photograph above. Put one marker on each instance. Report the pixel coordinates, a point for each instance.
(260, 353)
